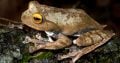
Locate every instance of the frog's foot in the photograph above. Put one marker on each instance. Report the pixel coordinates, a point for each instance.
(35, 43)
(61, 42)
(77, 54)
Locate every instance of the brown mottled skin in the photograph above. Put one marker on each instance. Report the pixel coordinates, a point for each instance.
(66, 22)
(81, 19)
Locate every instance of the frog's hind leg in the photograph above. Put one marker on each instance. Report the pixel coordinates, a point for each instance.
(104, 36)
(61, 42)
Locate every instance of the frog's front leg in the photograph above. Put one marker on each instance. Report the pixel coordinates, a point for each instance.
(92, 40)
(61, 42)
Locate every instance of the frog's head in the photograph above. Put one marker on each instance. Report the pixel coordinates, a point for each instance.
(34, 17)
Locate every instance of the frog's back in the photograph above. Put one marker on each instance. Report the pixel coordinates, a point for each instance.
(69, 20)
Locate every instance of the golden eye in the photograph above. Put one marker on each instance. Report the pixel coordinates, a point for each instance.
(37, 18)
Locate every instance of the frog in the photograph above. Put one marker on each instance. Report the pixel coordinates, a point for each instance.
(61, 24)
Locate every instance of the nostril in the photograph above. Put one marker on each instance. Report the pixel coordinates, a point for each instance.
(23, 16)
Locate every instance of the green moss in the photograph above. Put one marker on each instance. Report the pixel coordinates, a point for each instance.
(43, 55)
(26, 58)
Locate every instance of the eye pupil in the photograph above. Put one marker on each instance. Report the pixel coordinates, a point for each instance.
(35, 18)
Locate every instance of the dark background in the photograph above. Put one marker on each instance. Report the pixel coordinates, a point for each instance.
(103, 11)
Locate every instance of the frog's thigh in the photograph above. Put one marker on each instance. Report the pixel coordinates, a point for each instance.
(90, 38)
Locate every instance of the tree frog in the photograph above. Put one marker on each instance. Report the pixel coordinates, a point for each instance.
(61, 24)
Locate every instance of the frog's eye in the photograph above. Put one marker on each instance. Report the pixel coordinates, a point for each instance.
(37, 18)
